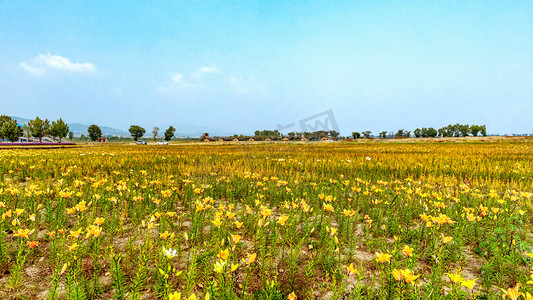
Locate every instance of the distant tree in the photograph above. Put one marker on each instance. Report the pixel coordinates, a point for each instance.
(10, 130)
(367, 133)
(59, 129)
(456, 129)
(483, 130)
(476, 129)
(137, 132)
(400, 133)
(71, 135)
(155, 131)
(464, 130)
(83, 137)
(94, 132)
(291, 134)
(169, 133)
(39, 128)
(383, 134)
(447, 131)
(356, 135)
(273, 134)
(27, 131)
(431, 132)
(334, 133)
(417, 132)
(4, 120)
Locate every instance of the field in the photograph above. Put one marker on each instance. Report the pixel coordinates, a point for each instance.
(268, 221)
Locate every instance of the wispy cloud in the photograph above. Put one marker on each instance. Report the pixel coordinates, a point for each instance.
(204, 70)
(178, 78)
(46, 62)
(194, 80)
(197, 83)
(32, 70)
(177, 83)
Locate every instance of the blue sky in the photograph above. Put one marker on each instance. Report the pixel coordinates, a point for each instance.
(238, 66)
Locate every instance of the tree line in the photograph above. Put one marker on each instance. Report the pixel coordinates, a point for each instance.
(275, 134)
(456, 130)
(37, 128)
(136, 132)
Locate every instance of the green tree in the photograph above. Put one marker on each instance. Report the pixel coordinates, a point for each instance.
(71, 135)
(155, 131)
(447, 131)
(39, 128)
(383, 134)
(169, 133)
(4, 119)
(333, 133)
(431, 132)
(59, 129)
(400, 133)
(27, 131)
(367, 133)
(94, 132)
(136, 132)
(356, 135)
(10, 130)
(424, 132)
(464, 130)
(476, 129)
(456, 130)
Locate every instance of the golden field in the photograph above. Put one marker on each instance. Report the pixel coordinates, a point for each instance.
(268, 221)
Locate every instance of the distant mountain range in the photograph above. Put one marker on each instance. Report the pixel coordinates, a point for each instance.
(79, 129)
(182, 130)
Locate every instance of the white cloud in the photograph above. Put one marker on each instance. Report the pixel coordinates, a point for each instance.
(204, 70)
(45, 62)
(177, 84)
(207, 70)
(178, 78)
(32, 70)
